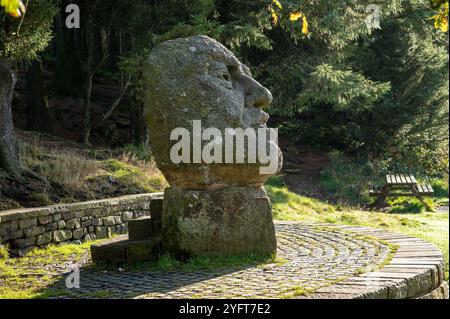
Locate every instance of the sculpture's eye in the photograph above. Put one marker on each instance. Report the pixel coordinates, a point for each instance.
(227, 77)
(232, 68)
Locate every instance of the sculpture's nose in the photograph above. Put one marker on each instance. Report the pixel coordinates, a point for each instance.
(256, 95)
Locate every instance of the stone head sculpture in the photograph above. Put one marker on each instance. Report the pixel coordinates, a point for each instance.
(193, 82)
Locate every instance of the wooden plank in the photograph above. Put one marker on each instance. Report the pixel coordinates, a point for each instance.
(397, 179)
(424, 189)
(393, 179)
(403, 179)
(388, 179)
(413, 179)
(408, 179)
(419, 188)
(430, 189)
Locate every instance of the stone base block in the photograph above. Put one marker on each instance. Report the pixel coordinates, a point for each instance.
(121, 251)
(230, 221)
(144, 228)
(156, 206)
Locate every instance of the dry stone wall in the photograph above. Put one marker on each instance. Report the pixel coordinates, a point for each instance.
(25, 229)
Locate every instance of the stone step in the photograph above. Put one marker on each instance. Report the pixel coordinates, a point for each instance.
(144, 228)
(122, 251)
(147, 227)
(156, 208)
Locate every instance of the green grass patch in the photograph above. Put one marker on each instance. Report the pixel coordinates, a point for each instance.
(432, 227)
(29, 276)
(4, 254)
(348, 181)
(143, 179)
(407, 206)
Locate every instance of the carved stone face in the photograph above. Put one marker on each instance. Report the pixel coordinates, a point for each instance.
(197, 78)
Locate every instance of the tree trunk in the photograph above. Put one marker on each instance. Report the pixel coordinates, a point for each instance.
(68, 76)
(87, 109)
(9, 158)
(139, 131)
(38, 117)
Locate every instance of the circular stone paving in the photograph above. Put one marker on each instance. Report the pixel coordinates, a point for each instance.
(311, 257)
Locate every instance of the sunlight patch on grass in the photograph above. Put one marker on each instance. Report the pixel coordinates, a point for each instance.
(147, 179)
(432, 227)
(28, 276)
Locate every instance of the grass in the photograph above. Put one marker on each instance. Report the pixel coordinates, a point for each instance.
(348, 181)
(79, 174)
(68, 168)
(408, 205)
(28, 277)
(4, 254)
(142, 177)
(432, 227)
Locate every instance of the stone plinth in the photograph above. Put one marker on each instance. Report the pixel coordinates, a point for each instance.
(122, 251)
(230, 221)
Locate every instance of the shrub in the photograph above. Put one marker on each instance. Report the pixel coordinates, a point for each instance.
(440, 187)
(408, 206)
(349, 180)
(140, 152)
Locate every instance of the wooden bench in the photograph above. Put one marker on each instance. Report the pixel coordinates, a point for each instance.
(400, 185)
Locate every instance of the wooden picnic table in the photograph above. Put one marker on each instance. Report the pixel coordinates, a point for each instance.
(400, 185)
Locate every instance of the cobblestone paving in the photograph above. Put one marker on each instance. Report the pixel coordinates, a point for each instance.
(315, 257)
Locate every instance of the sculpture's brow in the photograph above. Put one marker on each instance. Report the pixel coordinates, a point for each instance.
(227, 59)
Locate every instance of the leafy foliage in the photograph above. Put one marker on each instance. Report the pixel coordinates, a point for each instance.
(441, 18)
(15, 8)
(337, 83)
(23, 39)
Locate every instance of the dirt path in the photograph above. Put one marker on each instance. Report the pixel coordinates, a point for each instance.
(302, 168)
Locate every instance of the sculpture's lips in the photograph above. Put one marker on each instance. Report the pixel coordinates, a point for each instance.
(263, 118)
(260, 119)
